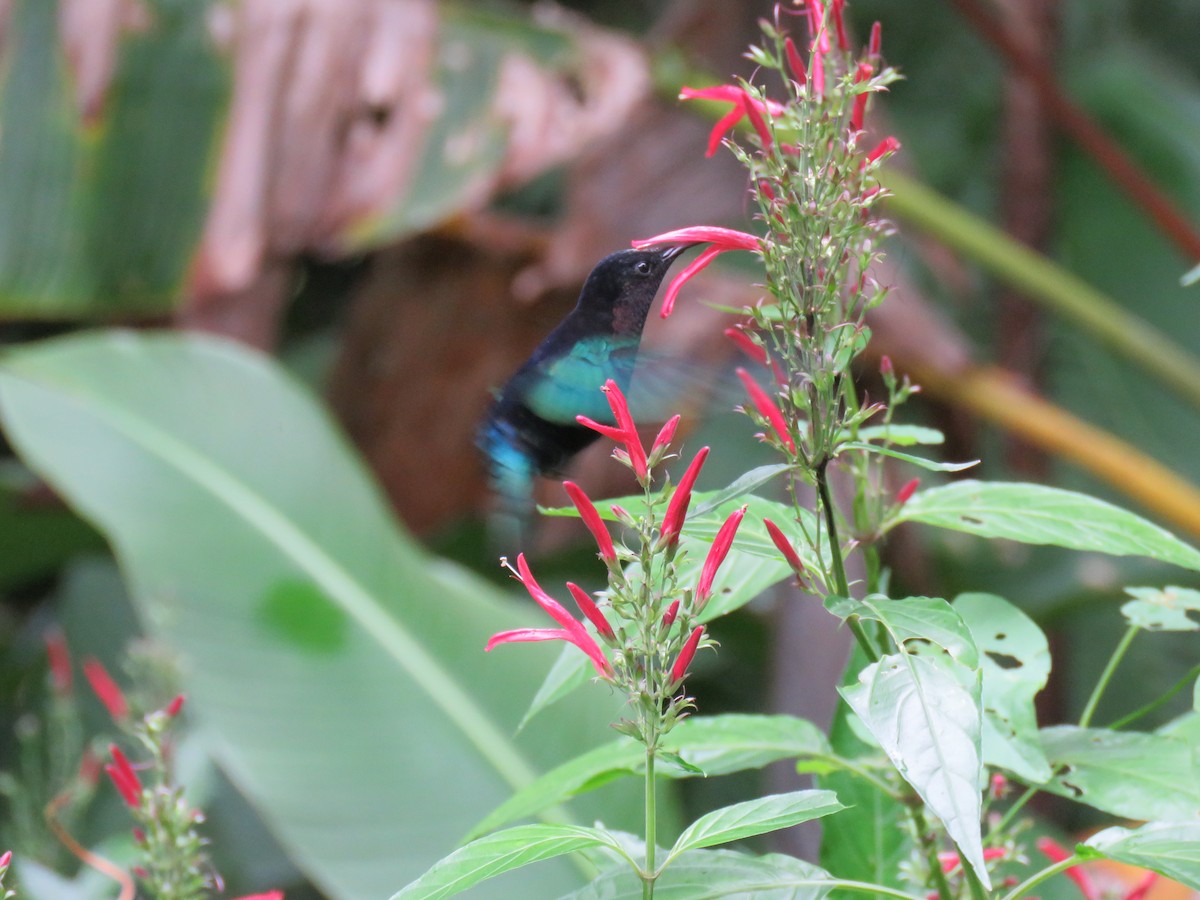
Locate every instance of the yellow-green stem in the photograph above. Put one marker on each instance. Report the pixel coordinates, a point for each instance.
(1106, 676)
(651, 828)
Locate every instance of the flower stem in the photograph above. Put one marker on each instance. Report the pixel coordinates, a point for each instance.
(835, 554)
(651, 828)
(1011, 812)
(928, 843)
(1038, 877)
(1107, 674)
(1155, 704)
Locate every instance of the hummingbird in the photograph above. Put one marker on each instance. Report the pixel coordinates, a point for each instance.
(530, 429)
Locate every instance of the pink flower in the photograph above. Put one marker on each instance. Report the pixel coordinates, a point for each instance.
(720, 241)
(784, 546)
(677, 507)
(744, 104)
(591, 518)
(768, 409)
(905, 493)
(679, 670)
(1055, 852)
(571, 631)
(175, 706)
(60, 661)
(625, 432)
(5, 860)
(998, 786)
(107, 690)
(860, 100)
(716, 555)
(124, 777)
(589, 608)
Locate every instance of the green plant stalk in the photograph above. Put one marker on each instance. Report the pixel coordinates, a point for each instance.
(1038, 877)
(1106, 676)
(973, 882)
(1161, 701)
(1011, 812)
(929, 845)
(839, 568)
(651, 827)
(1046, 283)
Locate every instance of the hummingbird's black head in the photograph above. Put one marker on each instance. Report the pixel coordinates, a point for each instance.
(622, 286)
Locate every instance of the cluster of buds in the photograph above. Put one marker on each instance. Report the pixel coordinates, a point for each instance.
(173, 860)
(645, 628)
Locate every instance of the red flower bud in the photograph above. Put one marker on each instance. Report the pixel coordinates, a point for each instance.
(875, 44)
(747, 346)
(588, 607)
(767, 409)
(669, 616)
(784, 546)
(665, 435)
(124, 777)
(677, 507)
(59, 658)
(837, 9)
(716, 555)
(591, 518)
(107, 690)
(757, 120)
(860, 100)
(885, 365)
(905, 493)
(175, 706)
(887, 145)
(679, 670)
(795, 63)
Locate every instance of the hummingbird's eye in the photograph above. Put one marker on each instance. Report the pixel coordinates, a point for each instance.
(643, 268)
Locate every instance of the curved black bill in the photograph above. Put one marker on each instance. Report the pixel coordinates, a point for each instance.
(674, 250)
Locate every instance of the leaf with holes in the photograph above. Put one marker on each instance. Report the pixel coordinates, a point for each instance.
(1168, 848)
(1036, 514)
(1126, 773)
(1015, 664)
(928, 721)
(1166, 609)
(913, 620)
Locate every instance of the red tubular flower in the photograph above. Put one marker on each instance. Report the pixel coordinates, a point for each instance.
(107, 690)
(837, 10)
(677, 507)
(591, 518)
(756, 120)
(742, 102)
(716, 555)
(625, 432)
(875, 44)
(124, 777)
(669, 616)
(860, 100)
(5, 860)
(767, 408)
(818, 79)
(269, 895)
(795, 63)
(887, 145)
(1143, 887)
(951, 861)
(588, 607)
(747, 346)
(60, 661)
(175, 706)
(1055, 852)
(905, 493)
(720, 239)
(572, 629)
(679, 670)
(784, 546)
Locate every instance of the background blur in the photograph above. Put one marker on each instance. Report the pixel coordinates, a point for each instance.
(394, 200)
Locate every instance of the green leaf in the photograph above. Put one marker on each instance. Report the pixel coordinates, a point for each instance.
(259, 551)
(570, 671)
(758, 816)
(901, 435)
(1015, 665)
(930, 464)
(714, 874)
(738, 489)
(1036, 514)
(928, 722)
(715, 745)
(1165, 609)
(1126, 773)
(913, 619)
(1171, 849)
(501, 852)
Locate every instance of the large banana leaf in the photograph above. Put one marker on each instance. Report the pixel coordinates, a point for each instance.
(338, 669)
